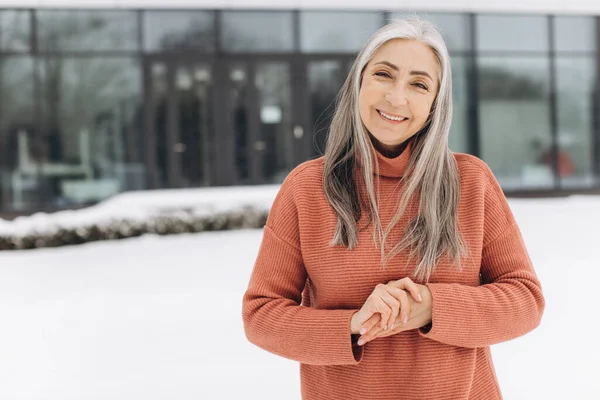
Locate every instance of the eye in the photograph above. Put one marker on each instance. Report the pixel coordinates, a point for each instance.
(421, 86)
(383, 74)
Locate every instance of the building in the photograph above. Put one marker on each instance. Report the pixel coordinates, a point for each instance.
(105, 96)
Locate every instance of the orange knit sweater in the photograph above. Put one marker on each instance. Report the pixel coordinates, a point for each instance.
(303, 293)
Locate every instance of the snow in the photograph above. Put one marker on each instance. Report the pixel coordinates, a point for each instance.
(138, 206)
(160, 317)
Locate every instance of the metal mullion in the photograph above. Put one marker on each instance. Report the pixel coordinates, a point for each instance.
(473, 131)
(149, 126)
(596, 109)
(172, 128)
(553, 103)
(255, 156)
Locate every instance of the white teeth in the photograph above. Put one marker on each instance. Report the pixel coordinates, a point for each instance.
(392, 118)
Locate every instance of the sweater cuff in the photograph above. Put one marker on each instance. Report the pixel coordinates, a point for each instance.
(441, 320)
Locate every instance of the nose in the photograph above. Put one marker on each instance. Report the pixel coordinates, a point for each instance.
(397, 96)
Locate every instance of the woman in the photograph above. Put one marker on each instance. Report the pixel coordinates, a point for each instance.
(390, 265)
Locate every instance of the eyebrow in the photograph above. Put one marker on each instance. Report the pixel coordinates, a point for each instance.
(395, 68)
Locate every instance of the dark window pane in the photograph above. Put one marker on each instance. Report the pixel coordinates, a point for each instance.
(512, 33)
(459, 129)
(575, 33)
(337, 32)
(91, 117)
(252, 31)
(178, 30)
(20, 151)
(87, 30)
(514, 116)
(325, 78)
(14, 30)
(454, 27)
(575, 81)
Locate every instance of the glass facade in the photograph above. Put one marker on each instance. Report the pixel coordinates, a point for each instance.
(96, 102)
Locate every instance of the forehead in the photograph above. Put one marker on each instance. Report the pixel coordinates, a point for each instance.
(409, 54)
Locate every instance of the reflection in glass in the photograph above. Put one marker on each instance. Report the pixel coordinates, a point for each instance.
(82, 30)
(179, 30)
(325, 79)
(454, 27)
(14, 30)
(91, 115)
(272, 81)
(575, 33)
(459, 129)
(159, 84)
(512, 32)
(575, 82)
(193, 84)
(240, 119)
(256, 31)
(337, 32)
(20, 150)
(514, 116)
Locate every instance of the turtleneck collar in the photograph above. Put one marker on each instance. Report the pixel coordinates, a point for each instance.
(394, 167)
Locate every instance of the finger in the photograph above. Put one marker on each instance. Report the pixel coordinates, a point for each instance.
(385, 311)
(371, 335)
(370, 323)
(379, 305)
(405, 307)
(402, 297)
(394, 305)
(408, 284)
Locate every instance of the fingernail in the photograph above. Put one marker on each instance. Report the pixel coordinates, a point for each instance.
(392, 327)
(420, 298)
(363, 330)
(385, 328)
(361, 342)
(405, 320)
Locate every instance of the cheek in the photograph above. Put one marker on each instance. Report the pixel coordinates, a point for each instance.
(421, 111)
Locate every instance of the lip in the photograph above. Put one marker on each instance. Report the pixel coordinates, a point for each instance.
(393, 115)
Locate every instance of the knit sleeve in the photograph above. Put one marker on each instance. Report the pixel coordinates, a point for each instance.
(273, 318)
(508, 304)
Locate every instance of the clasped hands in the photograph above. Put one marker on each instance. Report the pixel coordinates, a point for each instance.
(392, 308)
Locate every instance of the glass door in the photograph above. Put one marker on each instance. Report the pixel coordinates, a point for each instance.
(260, 114)
(325, 79)
(179, 122)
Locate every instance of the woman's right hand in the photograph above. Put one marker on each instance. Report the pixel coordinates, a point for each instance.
(387, 301)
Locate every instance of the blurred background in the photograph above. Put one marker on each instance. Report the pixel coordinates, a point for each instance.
(125, 118)
(101, 97)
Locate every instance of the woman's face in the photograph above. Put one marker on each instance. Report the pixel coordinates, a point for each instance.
(399, 85)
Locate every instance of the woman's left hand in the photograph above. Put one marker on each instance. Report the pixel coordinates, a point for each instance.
(420, 315)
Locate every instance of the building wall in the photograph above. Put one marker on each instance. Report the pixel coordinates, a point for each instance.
(505, 6)
(100, 101)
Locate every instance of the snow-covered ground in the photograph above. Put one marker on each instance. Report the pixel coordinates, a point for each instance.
(160, 317)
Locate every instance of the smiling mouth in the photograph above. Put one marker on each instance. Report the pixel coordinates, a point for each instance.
(391, 118)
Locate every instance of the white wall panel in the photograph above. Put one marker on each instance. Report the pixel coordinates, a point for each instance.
(503, 6)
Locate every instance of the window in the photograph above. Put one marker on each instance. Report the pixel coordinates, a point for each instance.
(179, 30)
(14, 30)
(20, 149)
(455, 28)
(512, 33)
(574, 33)
(91, 117)
(576, 77)
(254, 31)
(96, 30)
(514, 116)
(337, 32)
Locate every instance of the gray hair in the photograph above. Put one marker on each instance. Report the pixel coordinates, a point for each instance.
(432, 176)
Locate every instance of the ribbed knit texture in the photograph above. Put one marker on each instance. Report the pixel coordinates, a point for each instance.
(303, 292)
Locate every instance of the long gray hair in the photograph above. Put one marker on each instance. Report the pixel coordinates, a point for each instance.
(432, 176)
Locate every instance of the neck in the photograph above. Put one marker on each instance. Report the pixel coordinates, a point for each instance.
(388, 151)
